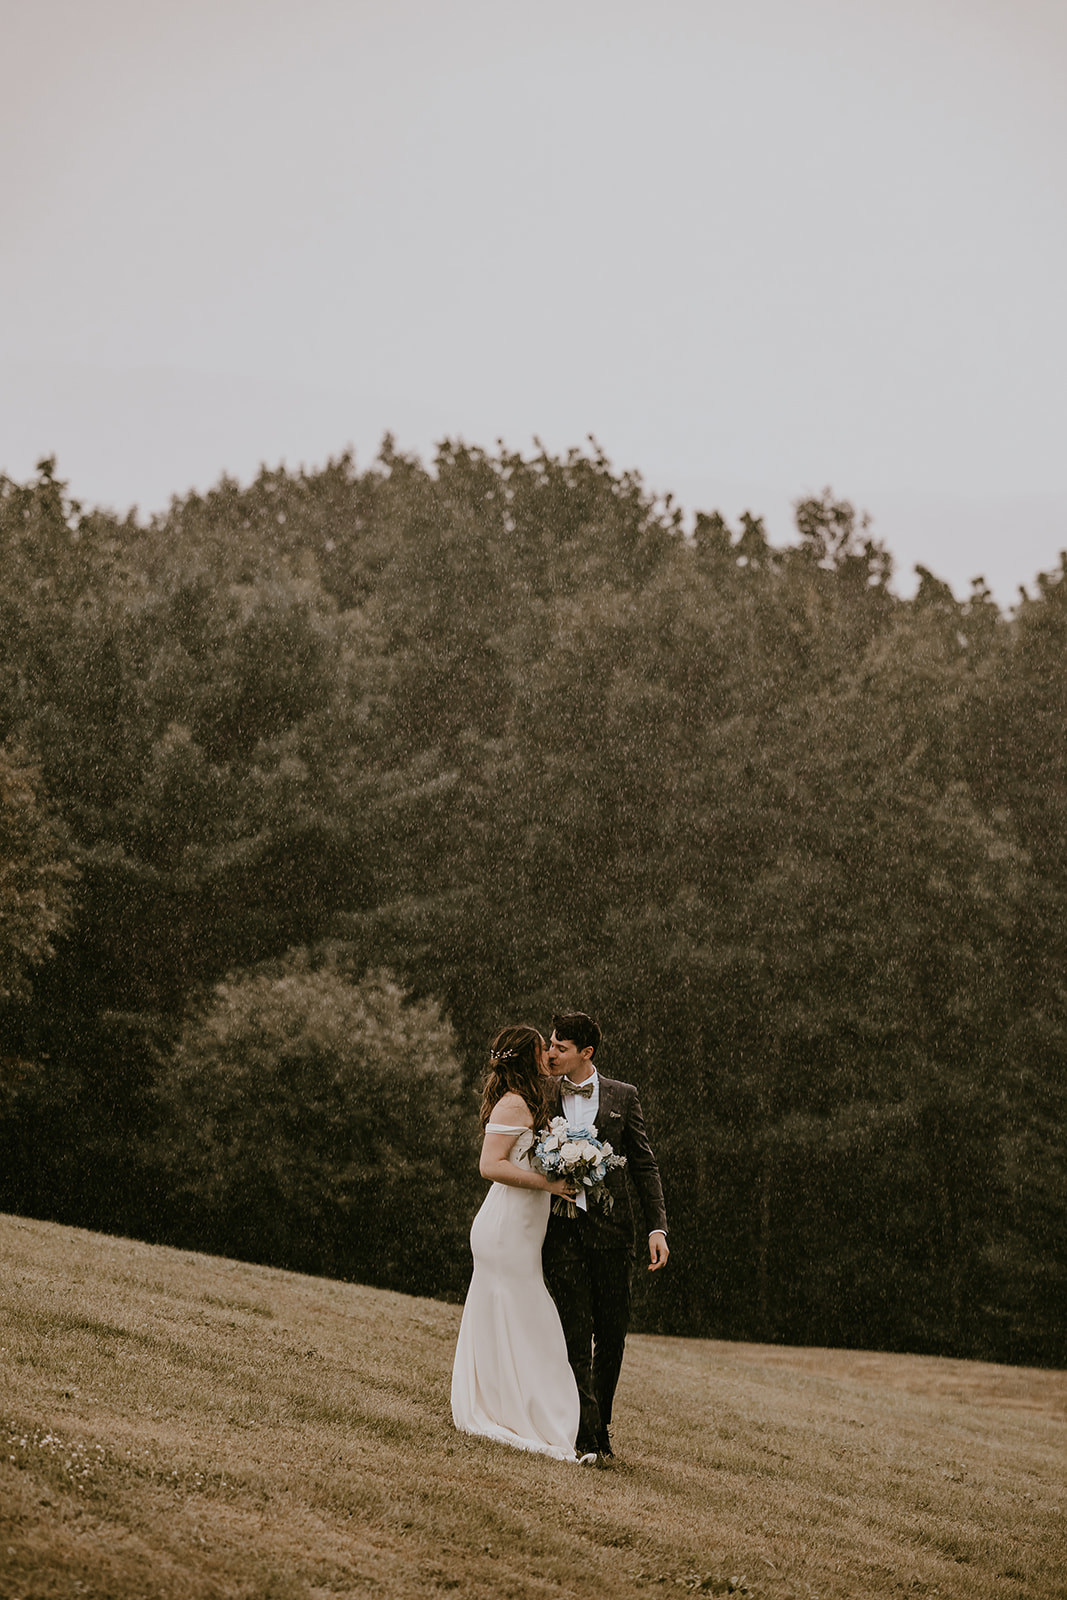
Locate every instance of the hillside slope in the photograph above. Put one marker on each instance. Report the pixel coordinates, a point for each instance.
(176, 1425)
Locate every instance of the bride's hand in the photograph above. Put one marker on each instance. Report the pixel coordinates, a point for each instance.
(564, 1188)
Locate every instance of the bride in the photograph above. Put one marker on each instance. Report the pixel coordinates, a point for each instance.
(511, 1380)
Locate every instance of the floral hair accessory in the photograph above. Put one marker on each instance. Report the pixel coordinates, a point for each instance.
(501, 1055)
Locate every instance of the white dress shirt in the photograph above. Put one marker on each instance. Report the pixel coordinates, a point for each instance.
(581, 1112)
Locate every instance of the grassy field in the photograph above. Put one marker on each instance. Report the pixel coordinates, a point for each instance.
(180, 1426)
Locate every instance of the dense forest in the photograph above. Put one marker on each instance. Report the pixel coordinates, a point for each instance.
(307, 786)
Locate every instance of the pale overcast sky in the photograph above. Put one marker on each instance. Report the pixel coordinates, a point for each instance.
(755, 246)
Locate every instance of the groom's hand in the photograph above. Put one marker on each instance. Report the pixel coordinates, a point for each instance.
(658, 1251)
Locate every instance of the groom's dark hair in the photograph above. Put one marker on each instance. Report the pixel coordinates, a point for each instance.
(576, 1026)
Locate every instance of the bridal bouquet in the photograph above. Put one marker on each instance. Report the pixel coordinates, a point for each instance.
(575, 1153)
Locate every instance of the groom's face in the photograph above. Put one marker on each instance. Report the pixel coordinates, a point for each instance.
(565, 1060)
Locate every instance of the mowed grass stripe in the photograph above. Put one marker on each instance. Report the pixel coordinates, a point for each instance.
(175, 1425)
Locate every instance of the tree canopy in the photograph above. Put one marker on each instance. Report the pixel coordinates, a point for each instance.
(503, 727)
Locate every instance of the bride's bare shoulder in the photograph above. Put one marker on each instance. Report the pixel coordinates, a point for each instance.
(512, 1110)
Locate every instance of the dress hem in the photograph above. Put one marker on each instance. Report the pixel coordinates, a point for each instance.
(530, 1446)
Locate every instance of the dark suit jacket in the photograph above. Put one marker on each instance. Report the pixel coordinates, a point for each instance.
(619, 1121)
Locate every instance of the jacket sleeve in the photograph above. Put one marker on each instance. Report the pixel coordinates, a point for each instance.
(642, 1167)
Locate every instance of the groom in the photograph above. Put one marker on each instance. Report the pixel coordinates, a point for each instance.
(589, 1259)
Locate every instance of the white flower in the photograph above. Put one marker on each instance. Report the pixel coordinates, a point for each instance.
(551, 1143)
(606, 1150)
(570, 1151)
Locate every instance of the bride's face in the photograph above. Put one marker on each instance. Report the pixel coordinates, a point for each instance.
(542, 1060)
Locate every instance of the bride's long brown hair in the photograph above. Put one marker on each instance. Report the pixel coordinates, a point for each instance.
(513, 1068)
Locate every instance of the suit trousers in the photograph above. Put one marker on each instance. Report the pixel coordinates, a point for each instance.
(592, 1291)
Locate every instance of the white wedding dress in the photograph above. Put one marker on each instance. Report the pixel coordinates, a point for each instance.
(511, 1380)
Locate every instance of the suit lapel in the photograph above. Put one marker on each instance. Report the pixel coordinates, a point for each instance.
(609, 1102)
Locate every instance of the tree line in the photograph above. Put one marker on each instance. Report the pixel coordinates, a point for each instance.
(307, 786)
